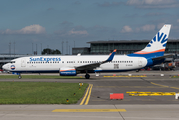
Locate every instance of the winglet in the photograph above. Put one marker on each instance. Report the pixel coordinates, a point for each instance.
(111, 56)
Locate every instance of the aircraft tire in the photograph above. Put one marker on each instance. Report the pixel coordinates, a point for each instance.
(19, 76)
(87, 76)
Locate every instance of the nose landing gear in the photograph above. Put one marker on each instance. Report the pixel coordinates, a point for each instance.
(19, 76)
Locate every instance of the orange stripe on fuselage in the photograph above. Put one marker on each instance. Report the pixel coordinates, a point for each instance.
(143, 52)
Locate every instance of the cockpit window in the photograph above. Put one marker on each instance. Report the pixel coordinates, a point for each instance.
(13, 61)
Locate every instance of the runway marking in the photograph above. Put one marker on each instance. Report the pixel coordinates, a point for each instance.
(89, 110)
(127, 76)
(89, 87)
(136, 93)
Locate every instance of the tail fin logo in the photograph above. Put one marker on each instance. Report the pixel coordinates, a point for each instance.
(160, 39)
(156, 47)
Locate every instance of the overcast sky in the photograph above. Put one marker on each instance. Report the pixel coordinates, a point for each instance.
(49, 22)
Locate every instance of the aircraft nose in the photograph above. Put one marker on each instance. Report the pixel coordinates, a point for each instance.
(5, 67)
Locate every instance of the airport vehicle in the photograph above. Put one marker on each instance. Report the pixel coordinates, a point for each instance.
(151, 55)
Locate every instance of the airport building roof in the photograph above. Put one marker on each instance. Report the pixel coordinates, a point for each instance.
(128, 41)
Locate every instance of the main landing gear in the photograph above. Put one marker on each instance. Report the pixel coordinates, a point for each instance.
(87, 76)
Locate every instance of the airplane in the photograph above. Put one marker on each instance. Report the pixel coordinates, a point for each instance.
(72, 65)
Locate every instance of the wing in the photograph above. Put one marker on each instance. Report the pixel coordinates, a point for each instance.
(95, 65)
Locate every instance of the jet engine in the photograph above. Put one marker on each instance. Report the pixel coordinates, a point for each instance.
(67, 72)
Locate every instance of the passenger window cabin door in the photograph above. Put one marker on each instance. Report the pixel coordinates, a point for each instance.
(140, 62)
(23, 63)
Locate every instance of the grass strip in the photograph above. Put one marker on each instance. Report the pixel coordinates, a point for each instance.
(39, 77)
(40, 92)
(175, 77)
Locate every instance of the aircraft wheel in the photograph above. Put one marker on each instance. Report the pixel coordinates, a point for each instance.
(87, 76)
(19, 76)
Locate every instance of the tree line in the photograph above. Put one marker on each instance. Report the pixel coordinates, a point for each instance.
(48, 51)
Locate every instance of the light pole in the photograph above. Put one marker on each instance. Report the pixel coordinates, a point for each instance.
(62, 47)
(14, 49)
(10, 49)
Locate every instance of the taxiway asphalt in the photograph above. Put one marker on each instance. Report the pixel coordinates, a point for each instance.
(134, 107)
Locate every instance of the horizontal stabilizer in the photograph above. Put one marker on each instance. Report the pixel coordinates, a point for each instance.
(162, 57)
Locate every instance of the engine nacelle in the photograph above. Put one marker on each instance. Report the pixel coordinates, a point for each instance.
(67, 72)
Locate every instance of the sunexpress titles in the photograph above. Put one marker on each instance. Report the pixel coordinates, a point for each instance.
(43, 59)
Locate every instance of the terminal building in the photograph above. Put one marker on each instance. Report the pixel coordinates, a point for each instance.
(128, 47)
(122, 46)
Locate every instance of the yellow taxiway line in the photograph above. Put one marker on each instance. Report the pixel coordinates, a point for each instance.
(87, 93)
(87, 100)
(163, 85)
(89, 110)
(136, 93)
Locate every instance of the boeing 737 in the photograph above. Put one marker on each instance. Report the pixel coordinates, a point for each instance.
(72, 65)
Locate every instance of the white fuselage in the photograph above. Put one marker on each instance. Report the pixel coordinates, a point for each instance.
(55, 63)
